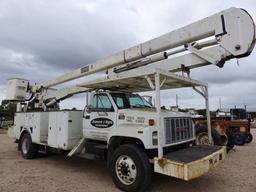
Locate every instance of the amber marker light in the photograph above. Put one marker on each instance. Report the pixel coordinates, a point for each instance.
(151, 122)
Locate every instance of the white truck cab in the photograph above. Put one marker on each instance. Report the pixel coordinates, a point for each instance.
(121, 114)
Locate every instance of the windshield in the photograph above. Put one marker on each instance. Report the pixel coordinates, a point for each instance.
(128, 100)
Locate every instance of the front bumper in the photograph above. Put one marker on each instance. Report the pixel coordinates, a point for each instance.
(191, 162)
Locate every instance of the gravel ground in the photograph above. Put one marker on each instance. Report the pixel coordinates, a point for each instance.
(57, 173)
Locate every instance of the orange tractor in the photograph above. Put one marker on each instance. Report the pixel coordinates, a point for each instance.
(232, 129)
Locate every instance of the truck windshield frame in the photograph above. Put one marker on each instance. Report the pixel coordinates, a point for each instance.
(129, 100)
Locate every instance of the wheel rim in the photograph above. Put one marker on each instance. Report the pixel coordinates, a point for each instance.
(202, 139)
(126, 170)
(25, 146)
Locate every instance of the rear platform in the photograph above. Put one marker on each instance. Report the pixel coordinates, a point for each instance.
(191, 162)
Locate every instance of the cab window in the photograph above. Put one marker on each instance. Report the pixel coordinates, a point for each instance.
(101, 102)
(135, 100)
(128, 100)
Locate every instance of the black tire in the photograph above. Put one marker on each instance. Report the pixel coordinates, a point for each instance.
(239, 138)
(28, 149)
(140, 164)
(249, 138)
(217, 138)
(231, 140)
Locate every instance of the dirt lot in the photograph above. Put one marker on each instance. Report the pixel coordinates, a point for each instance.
(56, 173)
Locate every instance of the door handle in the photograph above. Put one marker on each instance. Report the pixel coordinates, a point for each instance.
(87, 116)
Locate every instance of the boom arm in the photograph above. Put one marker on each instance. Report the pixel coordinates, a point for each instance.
(212, 40)
(233, 29)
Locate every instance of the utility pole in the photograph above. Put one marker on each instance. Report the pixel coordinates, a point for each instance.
(177, 105)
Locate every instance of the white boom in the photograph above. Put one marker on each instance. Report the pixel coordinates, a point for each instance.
(212, 40)
(233, 30)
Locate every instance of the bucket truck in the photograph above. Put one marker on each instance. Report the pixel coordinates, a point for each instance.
(117, 124)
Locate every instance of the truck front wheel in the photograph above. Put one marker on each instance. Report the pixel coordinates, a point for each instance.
(28, 149)
(130, 168)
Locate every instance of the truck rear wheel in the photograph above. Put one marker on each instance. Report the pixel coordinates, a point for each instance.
(249, 138)
(130, 168)
(28, 149)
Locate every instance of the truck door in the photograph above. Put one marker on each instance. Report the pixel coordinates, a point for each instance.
(100, 119)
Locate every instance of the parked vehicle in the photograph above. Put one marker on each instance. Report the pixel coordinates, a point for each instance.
(230, 129)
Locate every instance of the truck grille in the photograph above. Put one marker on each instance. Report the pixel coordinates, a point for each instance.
(178, 129)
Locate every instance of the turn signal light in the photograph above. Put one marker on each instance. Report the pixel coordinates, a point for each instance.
(151, 122)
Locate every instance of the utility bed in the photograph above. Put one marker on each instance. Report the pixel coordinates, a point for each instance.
(191, 162)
